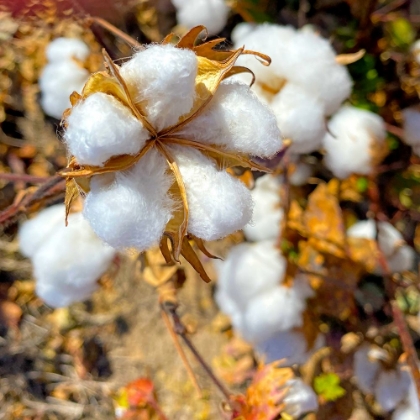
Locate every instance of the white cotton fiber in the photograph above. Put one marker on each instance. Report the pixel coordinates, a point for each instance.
(415, 50)
(300, 398)
(219, 204)
(64, 49)
(212, 14)
(237, 120)
(133, 209)
(57, 82)
(241, 30)
(34, 232)
(251, 270)
(348, 145)
(363, 229)
(228, 306)
(366, 368)
(391, 388)
(161, 79)
(409, 409)
(411, 126)
(300, 117)
(267, 215)
(276, 310)
(303, 171)
(101, 127)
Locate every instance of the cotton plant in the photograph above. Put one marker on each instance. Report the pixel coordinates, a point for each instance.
(265, 310)
(150, 141)
(67, 261)
(389, 385)
(411, 127)
(213, 14)
(355, 142)
(63, 74)
(302, 96)
(399, 256)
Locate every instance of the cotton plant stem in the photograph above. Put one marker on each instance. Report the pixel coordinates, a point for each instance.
(181, 353)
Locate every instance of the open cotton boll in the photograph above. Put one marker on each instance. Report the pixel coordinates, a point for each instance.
(303, 171)
(300, 398)
(409, 409)
(391, 388)
(101, 127)
(237, 120)
(411, 126)
(64, 49)
(363, 229)
(267, 213)
(213, 14)
(57, 82)
(415, 50)
(352, 137)
(402, 259)
(276, 310)
(69, 263)
(241, 30)
(300, 117)
(161, 79)
(229, 307)
(34, 232)
(133, 209)
(219, 204)
(252, 269)
(366, 368)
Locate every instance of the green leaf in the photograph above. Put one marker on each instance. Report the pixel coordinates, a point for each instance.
(362, 184)
(401, 32)
(327, 385)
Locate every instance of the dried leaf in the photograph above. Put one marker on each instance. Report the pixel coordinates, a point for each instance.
(72, 192)
(189, 39)
(345, 59)
(188, 253)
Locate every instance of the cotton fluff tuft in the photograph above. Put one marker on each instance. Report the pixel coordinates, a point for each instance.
(391, 388)
(68, 260)
(219, 204)
(300, 117)
(415, 50)
(64, 49)
(300, 398)
(267, 213)
(212, 14)
(101, 127)
(303, 171)
(366, 368)
(161, 79)
(237, 120)
(353, 134)
(57, 82)
(119, 207)
(411, 126)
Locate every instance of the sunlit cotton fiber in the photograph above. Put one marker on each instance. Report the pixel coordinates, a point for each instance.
(132, 208)
(161, 79)
(409, 409)
(300, 398)
(411, 126)
(268, 213)
(237, 120)
(101, 127)
(391, 388)
(212, 14)
(69, 260)
(366, 368)
(65, 49)
(351, 140)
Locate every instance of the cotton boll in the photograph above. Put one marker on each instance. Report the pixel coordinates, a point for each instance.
(219, 204)
(267, 213)
(34, 232)
(401, 260)
(241, 30)
(228, 306)
(300, 398)
(276, 310)
(366, 368)
(64, 49)
(133, 209)
(411, 126)
(69, 263)
(363, 229)
(237, 120)
(410, 408)
(348, 145)
(301, 174)
(57, 82)
(161, 79)
(252, 269)
(391, 388)
(300, 117)
(389, 238)
(415, 50)
(212, 14)
(101, 127)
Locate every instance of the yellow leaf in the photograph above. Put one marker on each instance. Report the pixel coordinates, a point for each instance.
(72, 192)
(188, 253)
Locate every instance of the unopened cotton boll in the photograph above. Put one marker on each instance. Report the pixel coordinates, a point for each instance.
(409, 409)
(219, 204)
(250, 270)
(64, 49)
(411, 126)
(161, 79)
(237, 120)
(300, 398)
(276, 310)
(267, 215)
(241, 30)
(300, 117)
(349, 144)
(119, 208)
(57, 82)
(212, 14)
(101, 127)
(391, 388)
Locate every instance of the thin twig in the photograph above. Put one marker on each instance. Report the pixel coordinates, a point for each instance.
(181, 353)
(23, 178)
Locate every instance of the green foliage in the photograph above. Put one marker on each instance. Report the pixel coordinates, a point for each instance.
(327, 385)
(401, 33)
